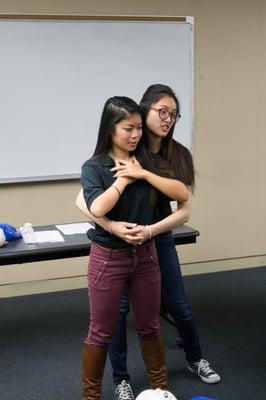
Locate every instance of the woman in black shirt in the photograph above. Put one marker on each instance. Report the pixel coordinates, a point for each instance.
(115, 263)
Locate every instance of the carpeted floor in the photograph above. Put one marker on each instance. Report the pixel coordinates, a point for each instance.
(41, 338)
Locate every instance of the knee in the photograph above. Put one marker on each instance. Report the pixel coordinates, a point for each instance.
(100, 334)
(148, 330)
(181, 310)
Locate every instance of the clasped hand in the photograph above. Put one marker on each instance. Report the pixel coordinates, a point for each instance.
(130, 232)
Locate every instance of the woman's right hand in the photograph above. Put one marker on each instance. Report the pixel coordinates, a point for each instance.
(123, 179)
(131, 169)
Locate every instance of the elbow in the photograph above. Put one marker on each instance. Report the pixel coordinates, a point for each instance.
(96, 211)
(184, 196)
(186, 219)
(80, 201)
(77, 202)
(187, 194)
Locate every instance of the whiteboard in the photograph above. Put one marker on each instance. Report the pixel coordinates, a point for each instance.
(55, 76)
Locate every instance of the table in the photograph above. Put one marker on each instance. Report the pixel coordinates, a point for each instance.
(77, 245)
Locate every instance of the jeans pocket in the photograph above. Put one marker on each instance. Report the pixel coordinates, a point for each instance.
(154, 261)
(151, 269)
(101, 271)
(97, 268)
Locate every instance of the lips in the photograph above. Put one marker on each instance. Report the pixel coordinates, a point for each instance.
(165, 128)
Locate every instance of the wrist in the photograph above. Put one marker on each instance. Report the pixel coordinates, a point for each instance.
(145, 174)
(116, 189)
(154, 230)
(149, 231)
(110, 227)
(120, 183)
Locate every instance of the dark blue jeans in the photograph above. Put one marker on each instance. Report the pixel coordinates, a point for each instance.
(174, 302)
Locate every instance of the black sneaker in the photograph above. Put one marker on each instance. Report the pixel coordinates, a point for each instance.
(124, 391)
(204, 371)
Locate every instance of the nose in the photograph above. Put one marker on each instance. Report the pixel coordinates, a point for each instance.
(136, 133)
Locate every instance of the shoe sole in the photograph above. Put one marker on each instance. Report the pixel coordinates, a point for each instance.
(205, 380)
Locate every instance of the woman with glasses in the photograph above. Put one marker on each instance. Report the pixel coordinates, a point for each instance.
(161, 111)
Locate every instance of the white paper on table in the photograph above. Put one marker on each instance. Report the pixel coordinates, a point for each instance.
(45, 237)
(77, 228)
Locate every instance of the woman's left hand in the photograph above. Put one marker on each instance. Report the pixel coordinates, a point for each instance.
(143, 234)
(131, 169)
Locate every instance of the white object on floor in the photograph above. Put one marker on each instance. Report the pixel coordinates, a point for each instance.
(157, 394)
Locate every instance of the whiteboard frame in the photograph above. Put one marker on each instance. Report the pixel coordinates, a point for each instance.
(101, 18)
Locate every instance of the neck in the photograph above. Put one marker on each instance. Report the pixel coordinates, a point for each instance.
(120, 154)
(155, 143)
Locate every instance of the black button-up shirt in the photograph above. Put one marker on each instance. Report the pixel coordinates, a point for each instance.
(134, 204)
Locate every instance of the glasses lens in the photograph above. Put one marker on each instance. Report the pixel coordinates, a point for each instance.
(164, 114)
(174, 117)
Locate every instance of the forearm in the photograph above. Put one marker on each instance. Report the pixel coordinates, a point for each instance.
(104, 222)
(108, 199)
(172, 188)
(177, 218)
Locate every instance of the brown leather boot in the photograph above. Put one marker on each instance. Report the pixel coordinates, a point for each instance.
(153, 356)
(93, 358)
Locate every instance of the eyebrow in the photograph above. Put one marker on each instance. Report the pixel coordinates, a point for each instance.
(132, 125)
(164, 106)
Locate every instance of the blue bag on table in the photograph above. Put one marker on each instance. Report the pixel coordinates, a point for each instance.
(10, 232)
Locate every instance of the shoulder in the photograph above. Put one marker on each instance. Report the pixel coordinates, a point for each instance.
(182, 163)
(98, 162)
(97, 169)
(181, 148)
(181, 153)
(91, 170)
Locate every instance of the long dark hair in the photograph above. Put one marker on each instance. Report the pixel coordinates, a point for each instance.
(115, 110)
(178, 157)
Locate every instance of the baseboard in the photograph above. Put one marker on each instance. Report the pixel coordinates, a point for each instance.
(44, 286)
(223, 265)
(78, 282)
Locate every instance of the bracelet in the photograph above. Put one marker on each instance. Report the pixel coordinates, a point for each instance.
(150, 233)
(110, 229)
(118, 191)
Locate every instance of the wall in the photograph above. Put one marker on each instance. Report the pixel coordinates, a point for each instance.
(230, 91)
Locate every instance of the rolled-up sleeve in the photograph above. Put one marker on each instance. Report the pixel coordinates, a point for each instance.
(91, 182)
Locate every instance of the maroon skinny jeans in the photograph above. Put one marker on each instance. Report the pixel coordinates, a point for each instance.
(108, 273)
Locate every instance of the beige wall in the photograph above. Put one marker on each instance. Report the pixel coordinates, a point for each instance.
(230, 92)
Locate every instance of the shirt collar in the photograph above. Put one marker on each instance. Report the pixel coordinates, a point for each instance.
(105, 160)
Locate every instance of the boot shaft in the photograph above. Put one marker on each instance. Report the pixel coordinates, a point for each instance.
(93, 361)
(153, 356)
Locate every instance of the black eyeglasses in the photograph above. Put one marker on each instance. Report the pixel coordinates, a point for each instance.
(164, 114)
